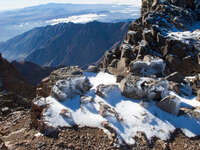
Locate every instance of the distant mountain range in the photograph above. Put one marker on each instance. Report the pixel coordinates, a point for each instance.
(64, 44)
(15, 22)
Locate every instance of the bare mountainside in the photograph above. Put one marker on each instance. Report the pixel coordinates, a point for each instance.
(64, 44)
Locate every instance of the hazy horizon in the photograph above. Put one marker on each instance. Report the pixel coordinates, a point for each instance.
(17, 4)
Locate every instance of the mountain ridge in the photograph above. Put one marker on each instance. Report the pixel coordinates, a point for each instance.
(53, 45)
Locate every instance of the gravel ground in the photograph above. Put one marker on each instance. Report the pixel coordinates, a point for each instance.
(17, 134)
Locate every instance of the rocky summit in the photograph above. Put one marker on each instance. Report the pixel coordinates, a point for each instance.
(145, 94)
(168, 31)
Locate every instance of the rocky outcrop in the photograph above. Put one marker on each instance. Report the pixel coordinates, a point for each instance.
(167, 30)
(39, 106)
(163, 43)
(170, 104)
(63, 83)
(2, 145)
(144, 88)
(45, 86)
(70, 87)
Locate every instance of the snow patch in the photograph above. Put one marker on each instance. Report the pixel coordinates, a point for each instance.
(126, 116)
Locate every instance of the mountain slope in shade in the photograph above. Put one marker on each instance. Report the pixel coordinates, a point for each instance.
(21, 46)
(79, 44)
(12, 81)
(15, 22)
(32, 73)
(64, 44)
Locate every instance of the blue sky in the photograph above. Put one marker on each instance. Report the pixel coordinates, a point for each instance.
(14, 4)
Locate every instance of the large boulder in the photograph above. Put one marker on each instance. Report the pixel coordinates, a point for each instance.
(148, 66)
(170, 104)
(45, 87)
(92, 68)
(144, 88)
(68, 88)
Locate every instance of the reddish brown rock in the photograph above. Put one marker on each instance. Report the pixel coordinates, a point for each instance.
(2, 145)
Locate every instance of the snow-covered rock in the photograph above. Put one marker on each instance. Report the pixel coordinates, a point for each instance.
(70, 87)
(170, 104)
(117, 114)
(107, 91)
(45, 87)
(144, 88)
(148, 68)
(92, 68)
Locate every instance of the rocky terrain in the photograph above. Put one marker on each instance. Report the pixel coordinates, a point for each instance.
(141, 95)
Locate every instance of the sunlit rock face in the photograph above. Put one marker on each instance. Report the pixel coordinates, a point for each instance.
(168, 30)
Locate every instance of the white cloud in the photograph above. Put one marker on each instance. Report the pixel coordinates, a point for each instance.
(76, 19)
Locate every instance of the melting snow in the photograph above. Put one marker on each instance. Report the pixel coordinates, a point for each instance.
(135, 115)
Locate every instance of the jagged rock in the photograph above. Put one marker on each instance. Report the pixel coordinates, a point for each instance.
(92, 68)
(39, 106)
(174, 86)
(175, 77)
(194, 112)
(5, 111)
(143, 88)
(106, 91)
(45, 87)
(154, 34)
(68, 88)
(198, 95)
(148, 67)
(170, 104)
(194, 83)
(2, 145)
(119, 78)
(106, 111)
(65, 113)
(86, 99)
